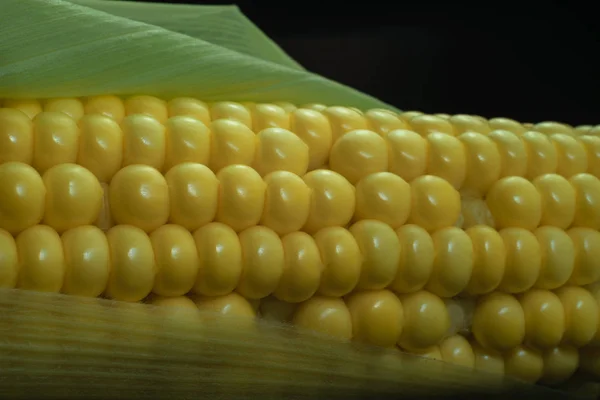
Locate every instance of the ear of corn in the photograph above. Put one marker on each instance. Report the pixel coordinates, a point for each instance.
(363, 227)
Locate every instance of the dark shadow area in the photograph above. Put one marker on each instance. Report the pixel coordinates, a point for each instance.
(523, 61)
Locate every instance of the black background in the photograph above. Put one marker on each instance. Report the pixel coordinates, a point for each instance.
(528, 61)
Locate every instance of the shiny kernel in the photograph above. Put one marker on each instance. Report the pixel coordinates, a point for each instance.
(219, 259)
(571, 155)
(193, 195)
(406, 116)
(467, 123)
(9, 261)
(457, 350)
(263, 262)
(139, 196)
(132, 264)
(416, 259)
(542, 157)
(241, 197)
(515, 202)
(332, 200)
(144, 141)
(558, 257)
(100, 146)
(426, 124)
(544, 318)
(581, 315)
(523, 260)
(344, 120)
(269, 116)
(357, 154)
(582, 130)
(72, 107)
(595, 131)
(16, 136)
(498, 322)
(187, 140)
(552, 128)
(302, 268)
(73, 197)
(426, 321)
(287, 202)
(383, 122)
(513, 154)
(558, 200)
(341, 259)
(231, 304)
(435, 203)
(489, 260)
(592, 146)
(314, 107)
(560, 364)
(407, 154)
(380, 249)
(314, 130)
(41, 259)
(377, 317)
(176, 260)
(507, 124)
(487, 359)
(87, 261)
(55, 140)
(586, 269)
(278, 149)
(108, 106)
(587, 201)
(29, 107)
(179, 301)
(287, 106)
(231, 111)
(231, 143)
(189, 107)
(447, 158)
(385, 197)
(22, 197)
(453, 263)
(484, 163)
(524, 363)
(147, 105)
(326, 316)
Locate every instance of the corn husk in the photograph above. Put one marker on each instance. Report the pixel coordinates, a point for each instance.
(56, 48)
(57, 346)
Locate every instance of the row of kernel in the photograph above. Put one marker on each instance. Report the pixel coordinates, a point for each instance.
(283, 201)
(317, 128)
(539, 318)
(548, 200)
(458, 124)
(103, 146)
(470, 162)
(127, 264)
(548, 366)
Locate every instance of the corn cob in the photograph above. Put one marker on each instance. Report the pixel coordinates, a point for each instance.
(361, 226)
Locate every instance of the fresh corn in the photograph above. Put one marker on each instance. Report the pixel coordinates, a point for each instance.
(360, 225)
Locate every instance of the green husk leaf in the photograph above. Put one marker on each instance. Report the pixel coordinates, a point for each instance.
(225, 26)
(65, 347)
(54, 48)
